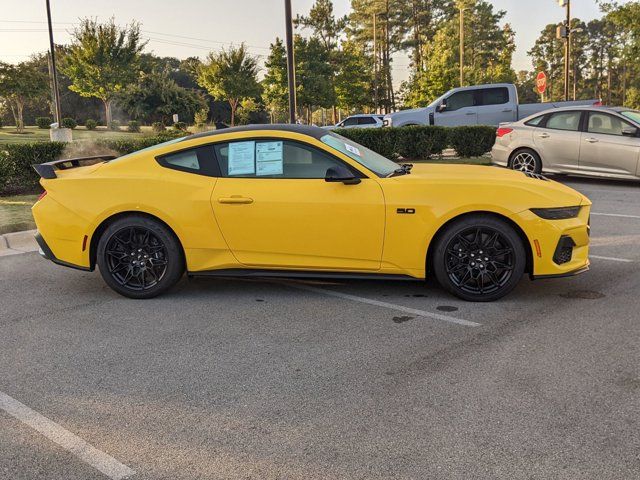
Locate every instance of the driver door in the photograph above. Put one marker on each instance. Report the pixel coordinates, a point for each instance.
(460, 109)
(276, 210)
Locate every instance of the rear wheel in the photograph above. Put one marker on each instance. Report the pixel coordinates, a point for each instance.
(139, 257)
(479, 258)
(526, 160)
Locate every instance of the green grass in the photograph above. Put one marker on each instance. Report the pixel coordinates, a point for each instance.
(15, 213)
(35, 134)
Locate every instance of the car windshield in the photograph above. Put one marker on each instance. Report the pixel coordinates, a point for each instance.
(381, 166)
(631, 115)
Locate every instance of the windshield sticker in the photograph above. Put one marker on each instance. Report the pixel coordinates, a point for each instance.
(269, 158)
(352, 149)
(242, 158)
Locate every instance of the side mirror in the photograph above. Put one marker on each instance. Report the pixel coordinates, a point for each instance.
(341, 174)
(442, 107)
(630, 132)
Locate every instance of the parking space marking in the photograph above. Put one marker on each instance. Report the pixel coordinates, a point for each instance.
(67, 440)
(620, 215)
(391, 306)
(613, 259)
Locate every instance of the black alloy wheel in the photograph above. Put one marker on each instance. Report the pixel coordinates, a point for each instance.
(479, 260)
(139, 257)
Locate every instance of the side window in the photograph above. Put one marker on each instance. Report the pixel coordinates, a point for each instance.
(534, 122)
(460, 100)
(494, 96)
(349, 122)
(564, 121)
(607, 124)
(198, 160)
(366, 121)
(273, 159)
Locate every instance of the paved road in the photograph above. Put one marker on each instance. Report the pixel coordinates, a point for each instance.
(230, 379)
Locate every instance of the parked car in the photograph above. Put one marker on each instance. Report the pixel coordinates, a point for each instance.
(596, 141)
(477, 105)
(293, 200)
(362, 120)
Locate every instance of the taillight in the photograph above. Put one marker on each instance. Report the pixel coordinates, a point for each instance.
(502, 131)
(598, 103)
(42, 195)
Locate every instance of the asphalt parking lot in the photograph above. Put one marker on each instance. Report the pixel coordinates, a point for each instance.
(237, 379)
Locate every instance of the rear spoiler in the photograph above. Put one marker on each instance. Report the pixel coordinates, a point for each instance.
(48, 170)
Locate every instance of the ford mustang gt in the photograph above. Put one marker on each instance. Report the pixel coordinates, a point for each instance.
(298, 201)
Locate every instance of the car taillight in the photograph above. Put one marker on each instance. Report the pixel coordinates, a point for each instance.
(502, 131)
(42, 195)
(598, 103)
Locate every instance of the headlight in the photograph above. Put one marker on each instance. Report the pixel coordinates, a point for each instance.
(557, 213)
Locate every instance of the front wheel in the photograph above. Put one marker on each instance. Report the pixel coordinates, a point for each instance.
(139, 257)
(479, 258)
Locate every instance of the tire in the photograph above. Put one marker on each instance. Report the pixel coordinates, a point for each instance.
(139, 257)
(479, 258)
(526, 160)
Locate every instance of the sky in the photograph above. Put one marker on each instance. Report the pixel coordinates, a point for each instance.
(184, 28)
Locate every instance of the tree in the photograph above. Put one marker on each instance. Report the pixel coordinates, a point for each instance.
(19, 85)
(102, 60)
(156, 97)
(230, 75)
(353, 79)
(313, 74)
(275, 88)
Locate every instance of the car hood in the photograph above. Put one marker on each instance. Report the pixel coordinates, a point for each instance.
(542, 192)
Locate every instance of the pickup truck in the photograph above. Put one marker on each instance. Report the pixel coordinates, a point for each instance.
(476, 105)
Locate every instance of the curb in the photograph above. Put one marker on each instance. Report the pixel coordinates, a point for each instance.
(18, 242)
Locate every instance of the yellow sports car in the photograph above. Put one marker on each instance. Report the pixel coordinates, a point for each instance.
(298, 201)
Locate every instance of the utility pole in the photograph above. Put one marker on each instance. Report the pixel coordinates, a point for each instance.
(462, 9)
(375, 64)
(291, 66)
(567, 52)
(54, 73)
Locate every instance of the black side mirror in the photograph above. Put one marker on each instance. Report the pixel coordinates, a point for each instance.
(442, 107)
(630, 132)
(341, 174)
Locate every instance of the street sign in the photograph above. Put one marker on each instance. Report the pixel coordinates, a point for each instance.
(541, 82)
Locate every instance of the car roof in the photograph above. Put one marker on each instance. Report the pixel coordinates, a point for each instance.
(309, 130)
(364, 115)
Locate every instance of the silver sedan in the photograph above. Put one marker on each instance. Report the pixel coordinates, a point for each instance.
(594, 141)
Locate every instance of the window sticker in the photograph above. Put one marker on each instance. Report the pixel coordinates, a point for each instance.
(269, 158)
(352, 149)
(242, 158)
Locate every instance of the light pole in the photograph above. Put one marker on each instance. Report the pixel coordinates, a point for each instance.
(565, 32)
(462, 9)
(54, 73)
(291, 66)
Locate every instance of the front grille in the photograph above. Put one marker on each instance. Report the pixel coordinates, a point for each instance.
(564, 250)
(537, 176)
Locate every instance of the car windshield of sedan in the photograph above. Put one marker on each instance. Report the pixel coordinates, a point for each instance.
(632, 115)
(375, 162)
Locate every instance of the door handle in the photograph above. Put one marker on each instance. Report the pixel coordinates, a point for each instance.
(591, 140)
(470, 113)
(508, 110)
(235, 199)
(544, 135)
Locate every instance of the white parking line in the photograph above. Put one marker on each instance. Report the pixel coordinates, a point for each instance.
(620, 215)
(67, 440)
(612, 259)
(391, 306)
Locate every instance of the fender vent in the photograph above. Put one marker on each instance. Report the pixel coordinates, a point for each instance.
(537, 176)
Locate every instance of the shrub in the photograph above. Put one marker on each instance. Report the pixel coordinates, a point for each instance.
(158, 127)
(114, 125)
(43, 122)
(180, 126)
(90, 124)
(125, 146)
(133, 126)
(421, 142)
(380, 140)
(16, 173)
(69, 123)
(200, 117)
(472, 141)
